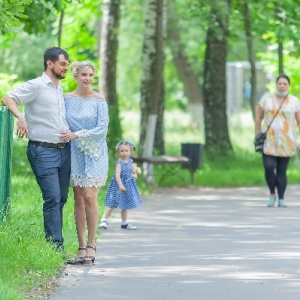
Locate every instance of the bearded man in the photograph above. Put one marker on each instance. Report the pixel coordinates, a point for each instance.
(43, 122)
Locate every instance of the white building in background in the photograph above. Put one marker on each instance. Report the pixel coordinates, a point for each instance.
(239, 86)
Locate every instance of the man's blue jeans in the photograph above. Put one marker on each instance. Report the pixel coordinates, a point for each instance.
(51, 167)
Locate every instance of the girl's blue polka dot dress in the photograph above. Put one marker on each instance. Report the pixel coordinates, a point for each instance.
(123, 200)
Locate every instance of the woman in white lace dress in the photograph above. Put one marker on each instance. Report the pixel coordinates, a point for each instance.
(87, 116)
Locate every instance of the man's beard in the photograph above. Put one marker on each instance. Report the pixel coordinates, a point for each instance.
(57, 75)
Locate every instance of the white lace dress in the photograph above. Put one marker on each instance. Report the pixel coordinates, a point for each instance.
(88, 118)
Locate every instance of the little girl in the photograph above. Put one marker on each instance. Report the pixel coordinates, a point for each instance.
(122, 191)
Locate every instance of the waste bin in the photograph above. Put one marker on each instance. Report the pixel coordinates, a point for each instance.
(6, 142)
(194, 152)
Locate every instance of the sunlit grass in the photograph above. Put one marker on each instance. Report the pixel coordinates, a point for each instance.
(31, 261)
(7, 293)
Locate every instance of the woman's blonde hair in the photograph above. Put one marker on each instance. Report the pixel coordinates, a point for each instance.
(76, 66)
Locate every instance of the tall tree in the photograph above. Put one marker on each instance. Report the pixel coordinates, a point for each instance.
(217, 141)
(251, 54)
(60, 27)
(108, 70)
(192, 87)
(279, 17)
(152, 76)
(159, 140)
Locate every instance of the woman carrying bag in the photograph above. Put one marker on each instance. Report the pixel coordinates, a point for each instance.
(281, 114)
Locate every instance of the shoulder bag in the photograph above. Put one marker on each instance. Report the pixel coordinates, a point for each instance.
(260, 138)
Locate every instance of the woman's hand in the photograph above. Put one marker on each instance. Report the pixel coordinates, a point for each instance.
(68, 136)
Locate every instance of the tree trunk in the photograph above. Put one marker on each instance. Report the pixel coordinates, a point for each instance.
(280, 55)
(217, 141)
(159, 142)
(278, 16)
(251, 56)
(60, 27)
(108, 58)
(152, 64)
(148, 147)
(192, 88)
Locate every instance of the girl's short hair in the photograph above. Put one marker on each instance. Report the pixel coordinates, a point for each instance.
(128, 143)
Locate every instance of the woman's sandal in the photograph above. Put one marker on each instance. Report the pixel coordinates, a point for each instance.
(89, 259)
(79, 260)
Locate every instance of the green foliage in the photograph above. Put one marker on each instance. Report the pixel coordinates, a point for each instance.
(7, 82)
(36, 16)
(20, 63)
(275, 21)
(41, 16)
(130, 53)
(22, 54)
(84, 17)
(11, 14)
(292, 66)
(29, 64)
(83, 46)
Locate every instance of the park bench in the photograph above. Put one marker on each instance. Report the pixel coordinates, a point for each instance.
(191, 158)
(171, 165)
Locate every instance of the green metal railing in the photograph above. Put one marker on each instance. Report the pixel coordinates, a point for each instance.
(6, 143)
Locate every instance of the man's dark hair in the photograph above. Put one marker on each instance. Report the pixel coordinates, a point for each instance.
(53, 55)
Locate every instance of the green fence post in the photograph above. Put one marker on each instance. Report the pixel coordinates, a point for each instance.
(6, 144)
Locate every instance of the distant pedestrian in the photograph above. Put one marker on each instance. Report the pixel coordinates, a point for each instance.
(44, 120)
(280, 144)
(247, 89)
(122, 191)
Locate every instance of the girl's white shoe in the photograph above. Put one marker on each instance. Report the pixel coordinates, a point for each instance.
(103, 224)
(128, 226)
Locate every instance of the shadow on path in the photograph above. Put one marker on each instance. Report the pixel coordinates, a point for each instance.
(208, 244)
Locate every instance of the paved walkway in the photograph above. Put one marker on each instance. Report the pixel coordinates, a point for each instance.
(191, 244)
